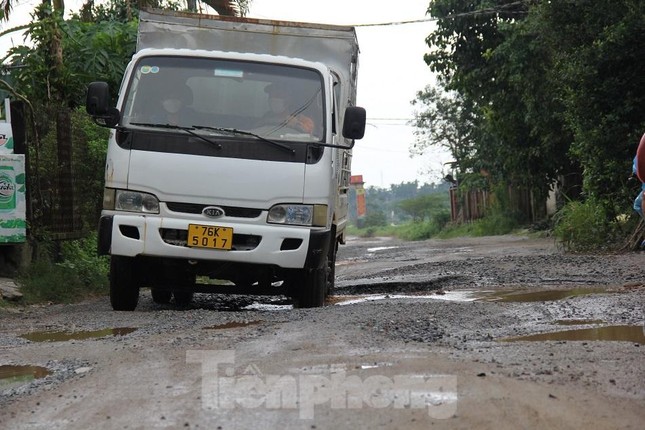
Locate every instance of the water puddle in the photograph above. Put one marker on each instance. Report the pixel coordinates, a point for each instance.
(349, 262)
(10, 375)
(579, 322)
(232, 324)
(458, 296)
(521, 295)
(624, 333)
(64, 336)
(380, 248)
(374, 365)
(524, 296)
(266, 307)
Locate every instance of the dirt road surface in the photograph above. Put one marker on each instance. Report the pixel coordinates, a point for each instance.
(419, 335)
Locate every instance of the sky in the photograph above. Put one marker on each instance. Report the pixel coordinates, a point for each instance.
(391, 71)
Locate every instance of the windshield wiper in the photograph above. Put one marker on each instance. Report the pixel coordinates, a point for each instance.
(245, 133)
(189, 130)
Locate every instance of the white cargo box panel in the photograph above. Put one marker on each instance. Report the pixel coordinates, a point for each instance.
(335, 46)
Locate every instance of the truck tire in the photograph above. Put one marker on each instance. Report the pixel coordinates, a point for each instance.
(124, 288)
(185, 280)
(312, 288)
(183, 298)
(161, 296)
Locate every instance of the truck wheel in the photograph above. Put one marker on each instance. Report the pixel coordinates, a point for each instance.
(161, 296)
(313, 287)
(124, 289)
(183, 298)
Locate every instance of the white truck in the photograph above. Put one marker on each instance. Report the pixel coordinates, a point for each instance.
(228, 162)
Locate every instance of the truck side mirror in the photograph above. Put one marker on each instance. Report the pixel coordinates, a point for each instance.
(97, 105)
(354, 122)
(98, 98)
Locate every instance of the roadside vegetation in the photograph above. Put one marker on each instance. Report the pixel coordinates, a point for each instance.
(428, 216)
(66, 275)
(541, 96)
(535, 96)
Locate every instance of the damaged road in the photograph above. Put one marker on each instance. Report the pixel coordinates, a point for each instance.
(499, 332)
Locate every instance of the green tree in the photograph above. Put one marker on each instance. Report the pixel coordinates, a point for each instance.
(484, 123)
(599, 58)
(425, 207)
(553, 88)
(444, 119)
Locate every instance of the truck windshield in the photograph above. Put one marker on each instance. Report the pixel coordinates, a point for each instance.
(277, 102)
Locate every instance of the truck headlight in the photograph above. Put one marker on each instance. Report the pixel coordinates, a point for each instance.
(307, 215)
(130, 201)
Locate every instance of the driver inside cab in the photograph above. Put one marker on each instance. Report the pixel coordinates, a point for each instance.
(282, 112)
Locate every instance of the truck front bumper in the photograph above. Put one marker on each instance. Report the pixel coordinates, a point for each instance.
(289, 247)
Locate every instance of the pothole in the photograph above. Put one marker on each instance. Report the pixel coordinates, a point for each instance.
(232, 324)
(579, 322)
(524, 296)
(462, 296)
(11, 374)
(624, 333)
(502, 296)
(63, 336)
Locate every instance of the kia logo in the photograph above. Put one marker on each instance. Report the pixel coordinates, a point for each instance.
(213, 211)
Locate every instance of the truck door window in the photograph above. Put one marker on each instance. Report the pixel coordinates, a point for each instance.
(336, 96)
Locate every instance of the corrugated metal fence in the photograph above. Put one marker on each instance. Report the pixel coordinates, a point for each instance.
(471, 205)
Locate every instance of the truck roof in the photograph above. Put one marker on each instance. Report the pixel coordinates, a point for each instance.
(333, 45)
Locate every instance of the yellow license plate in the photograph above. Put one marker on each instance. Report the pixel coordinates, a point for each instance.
(208, 236)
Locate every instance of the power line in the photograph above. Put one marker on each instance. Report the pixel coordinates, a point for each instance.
(389, 119)
(453, 16)
(383, 24)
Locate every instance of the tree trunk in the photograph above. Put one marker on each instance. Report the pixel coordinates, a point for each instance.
(66, 220)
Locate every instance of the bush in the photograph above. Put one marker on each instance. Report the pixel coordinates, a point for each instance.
(79, 274)
(424, 230)
(583, 226)
(81, 257)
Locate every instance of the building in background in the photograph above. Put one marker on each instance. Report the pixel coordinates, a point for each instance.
(358, 208)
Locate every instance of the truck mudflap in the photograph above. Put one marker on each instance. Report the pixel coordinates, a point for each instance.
(105, 235)
(319, 242)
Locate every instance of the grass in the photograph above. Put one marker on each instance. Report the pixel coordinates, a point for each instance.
(585, 226)
(78, 274)
(492, 225)
(44, 281)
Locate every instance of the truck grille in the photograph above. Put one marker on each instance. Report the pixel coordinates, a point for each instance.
(230, 211)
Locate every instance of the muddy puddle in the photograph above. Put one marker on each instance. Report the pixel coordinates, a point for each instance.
(461, 296)
(579, 322)
(10, 375)
(266, 307)
(504, 296)
(64, 336)
(525, 296)
(232, 324)
(624, 333)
